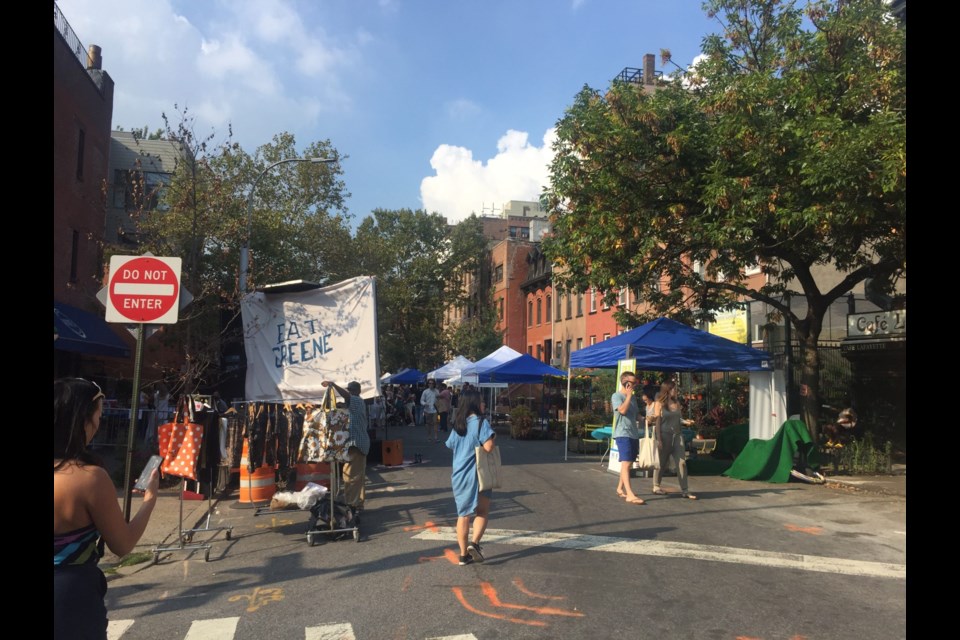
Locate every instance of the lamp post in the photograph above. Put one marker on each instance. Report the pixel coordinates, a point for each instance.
(245, 250)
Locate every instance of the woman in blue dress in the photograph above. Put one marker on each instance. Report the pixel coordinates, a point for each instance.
(470, 430)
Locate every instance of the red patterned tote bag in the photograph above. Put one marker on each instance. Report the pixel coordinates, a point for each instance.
(180, 443)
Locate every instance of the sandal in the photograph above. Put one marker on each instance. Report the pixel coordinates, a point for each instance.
(657, 491)
(621, 494)
(689, 496)
(636, 501)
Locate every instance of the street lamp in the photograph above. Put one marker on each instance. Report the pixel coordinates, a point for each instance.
(245, 250)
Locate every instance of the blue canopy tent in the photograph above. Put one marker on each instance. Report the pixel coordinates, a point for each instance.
(667, 345)
(405, 376)
(525, 368)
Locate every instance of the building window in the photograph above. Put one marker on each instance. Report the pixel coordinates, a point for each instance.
(579, 304)
(558, 307)
(579, 344)
(81, 139)
(498, 273)
(529, 313)
(593, 300)
(74, 249)
(548, 308)
(569, 343)
(606, 305)
(540, 352)
(606, 336)
(539, 307)
(501, 308)
(593, 340)
(569, 306)
(529, 350)
(559, 351)
(623, 299)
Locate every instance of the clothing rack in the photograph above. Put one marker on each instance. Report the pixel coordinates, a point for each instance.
(185, 538)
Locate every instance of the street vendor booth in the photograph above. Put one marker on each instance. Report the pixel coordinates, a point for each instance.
(667, 345)
(297, 335)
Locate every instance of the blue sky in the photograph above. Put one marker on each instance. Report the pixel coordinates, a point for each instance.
(441, 105)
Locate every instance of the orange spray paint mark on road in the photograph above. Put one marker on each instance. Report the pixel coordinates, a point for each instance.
(518, 583)
(428, 526)
(449, 554)
(458, 592)
(814, 531)
(406, 583)
(491, 595)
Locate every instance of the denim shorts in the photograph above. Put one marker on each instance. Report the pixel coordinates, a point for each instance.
(628, 449)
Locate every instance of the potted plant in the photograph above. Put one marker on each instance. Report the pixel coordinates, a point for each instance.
(521, 423)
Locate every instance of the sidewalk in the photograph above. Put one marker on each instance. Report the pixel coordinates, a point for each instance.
(895, 484)
(163, 529)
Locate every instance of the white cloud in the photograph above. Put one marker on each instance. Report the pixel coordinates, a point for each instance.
(462, 109)
(519, 171)
(226, 67)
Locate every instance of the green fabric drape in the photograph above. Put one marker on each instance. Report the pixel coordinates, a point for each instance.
(772, 459)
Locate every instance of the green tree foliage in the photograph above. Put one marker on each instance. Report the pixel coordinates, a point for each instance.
(419, 261)
(785, 148)
(299, 231)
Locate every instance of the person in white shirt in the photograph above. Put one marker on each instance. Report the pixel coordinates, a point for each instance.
(428, 400)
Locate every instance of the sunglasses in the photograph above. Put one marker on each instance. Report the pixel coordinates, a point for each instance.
(99, 393)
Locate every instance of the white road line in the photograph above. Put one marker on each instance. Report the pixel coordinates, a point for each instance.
(680, 550)
(462, 636)
(116, 628)
(340, 631)
(213, 629)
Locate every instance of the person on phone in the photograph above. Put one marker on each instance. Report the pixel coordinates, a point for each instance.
(470, 431)
(626, 433)
(669, 439)
(85, 510)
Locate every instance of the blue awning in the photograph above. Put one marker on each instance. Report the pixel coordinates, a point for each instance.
(83, 332)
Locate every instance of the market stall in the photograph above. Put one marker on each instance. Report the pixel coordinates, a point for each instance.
(667, 345)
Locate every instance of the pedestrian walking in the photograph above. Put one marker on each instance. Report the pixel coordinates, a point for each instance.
(470, 431)
(669, 438)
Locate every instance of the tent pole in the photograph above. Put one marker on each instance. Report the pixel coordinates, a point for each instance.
(566, 427)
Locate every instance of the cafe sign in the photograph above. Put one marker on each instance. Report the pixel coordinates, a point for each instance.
(878, 323)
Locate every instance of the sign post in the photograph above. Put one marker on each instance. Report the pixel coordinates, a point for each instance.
(141, 289)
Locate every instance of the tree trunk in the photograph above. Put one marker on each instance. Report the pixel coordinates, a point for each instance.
(810, 383)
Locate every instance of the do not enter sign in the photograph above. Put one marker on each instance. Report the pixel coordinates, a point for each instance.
(143, 289)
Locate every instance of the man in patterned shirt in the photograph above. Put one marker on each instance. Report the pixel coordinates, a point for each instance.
(355, 471)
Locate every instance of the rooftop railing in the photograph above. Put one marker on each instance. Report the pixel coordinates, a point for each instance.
(69, 36)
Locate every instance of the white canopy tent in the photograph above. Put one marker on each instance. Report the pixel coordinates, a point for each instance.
(501, 356)
(450, 370)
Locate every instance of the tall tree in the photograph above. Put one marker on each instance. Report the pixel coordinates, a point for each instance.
(419, 261)
(299, 230)
(785, 148)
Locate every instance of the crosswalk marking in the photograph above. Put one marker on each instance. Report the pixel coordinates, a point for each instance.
(116, 628)
(226, 628)
(212, 629)
(342, 631)
(612, 544)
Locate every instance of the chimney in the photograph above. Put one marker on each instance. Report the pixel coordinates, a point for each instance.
(649, 61)
(94, 59)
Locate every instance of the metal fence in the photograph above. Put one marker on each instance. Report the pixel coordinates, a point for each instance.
(69, 36)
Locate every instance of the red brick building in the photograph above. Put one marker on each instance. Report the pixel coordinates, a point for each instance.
(84, 344)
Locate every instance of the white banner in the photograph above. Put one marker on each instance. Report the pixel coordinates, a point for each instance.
(294, 341)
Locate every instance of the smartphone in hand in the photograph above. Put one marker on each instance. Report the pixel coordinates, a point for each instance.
(152, 463)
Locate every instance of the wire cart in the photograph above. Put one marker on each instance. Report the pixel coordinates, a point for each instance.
(314, 531)
(185, 541)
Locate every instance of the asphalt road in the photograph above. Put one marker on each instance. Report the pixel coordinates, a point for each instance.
(566, 559)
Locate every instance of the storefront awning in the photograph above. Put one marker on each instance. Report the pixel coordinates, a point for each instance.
(83, 332)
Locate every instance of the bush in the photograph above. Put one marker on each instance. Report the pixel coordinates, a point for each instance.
(863, 457)
(521, 423)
